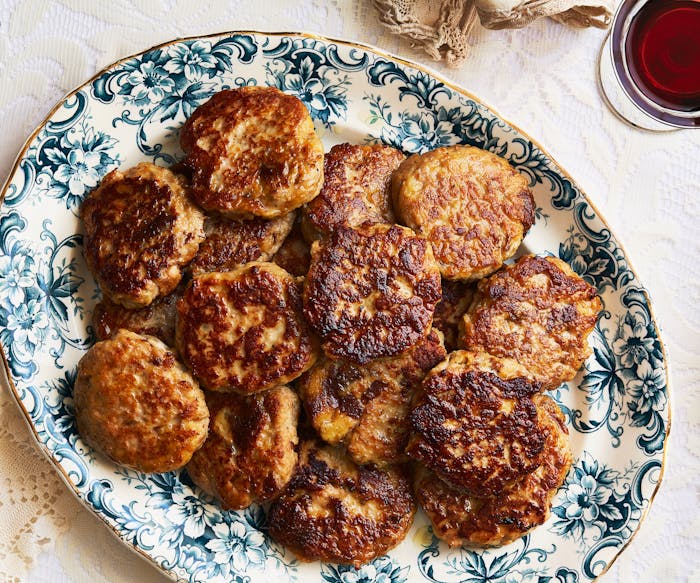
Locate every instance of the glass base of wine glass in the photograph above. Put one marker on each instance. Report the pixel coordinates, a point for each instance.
(618, 101)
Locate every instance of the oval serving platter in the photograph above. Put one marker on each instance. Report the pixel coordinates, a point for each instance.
(617, 408)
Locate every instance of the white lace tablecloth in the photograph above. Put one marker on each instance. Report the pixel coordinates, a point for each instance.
(541, 78)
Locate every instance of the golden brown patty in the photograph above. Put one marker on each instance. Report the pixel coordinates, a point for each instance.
(370, 292)
(140, 230)
(538, 312)
(506, 368)
(461, 519)
(243, 330)
(336, 511)
(157, 319)
(471, 205)
(477, 431)
(456, 298)
(366, 407)
(294, 255)
(252, 150)
(249, 455)
(138, 405)
(356, 189)
(231, 243)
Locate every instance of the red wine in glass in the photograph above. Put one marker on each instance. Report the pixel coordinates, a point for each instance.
(663, 53)
(655, 49)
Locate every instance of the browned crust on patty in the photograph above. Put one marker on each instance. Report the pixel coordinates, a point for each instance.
(471, 205)
(479, 432)
(140, 230)
(461, 519)
(371, 292)
(336, 511)
(538, 312)
(231, 243)
(157, 319)
(252, 150)
(356, 188)
(243, 330)
(294, 255)
(366, 407)
(138, 405)
(249, 455)
(456, 299)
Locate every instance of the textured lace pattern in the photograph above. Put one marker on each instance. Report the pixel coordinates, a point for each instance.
(540, 77)
(515, 14)
(442, 29)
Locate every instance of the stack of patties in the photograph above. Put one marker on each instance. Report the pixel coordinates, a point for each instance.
(199, 332)
(492, 447)
(253, 158)
(336, 336)
(369, 294)
(378, 295)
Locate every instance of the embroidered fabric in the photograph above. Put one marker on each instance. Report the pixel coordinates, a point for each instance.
(443, 28)
(514, 14)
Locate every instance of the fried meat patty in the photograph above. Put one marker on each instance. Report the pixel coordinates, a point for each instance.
(476, 430)
(456, 299)
(244, 330)
(356, 189)
(366, 407)
(294, 255)
(461, 519)
(538, 312)
(231, 243)
(138, 405)
(140, 230)
(157, 319)
(252, 151)
(249, 455)
(334, 510)
(371, 291)
(471, 205)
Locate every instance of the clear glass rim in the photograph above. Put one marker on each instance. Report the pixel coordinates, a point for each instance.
(622, 20)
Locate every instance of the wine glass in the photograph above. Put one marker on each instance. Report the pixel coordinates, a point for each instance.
(649, 65)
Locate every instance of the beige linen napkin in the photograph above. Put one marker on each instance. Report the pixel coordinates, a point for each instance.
(442, 27)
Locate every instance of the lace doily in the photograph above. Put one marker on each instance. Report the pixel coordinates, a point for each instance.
(34, 504)
(442, 29)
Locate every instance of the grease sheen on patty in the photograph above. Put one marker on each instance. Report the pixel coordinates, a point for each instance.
(252, 151)
(371, 291)
(244, 330)
(140, 231)
(137, 404)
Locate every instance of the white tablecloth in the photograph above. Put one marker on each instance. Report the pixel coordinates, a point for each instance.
(541, 78)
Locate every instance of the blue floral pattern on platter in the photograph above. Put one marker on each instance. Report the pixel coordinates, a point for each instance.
(617, 408)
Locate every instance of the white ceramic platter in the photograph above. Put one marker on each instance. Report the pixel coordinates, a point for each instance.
(617, 409)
